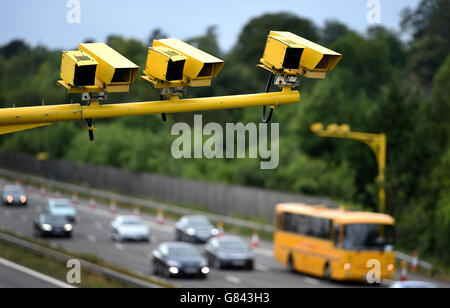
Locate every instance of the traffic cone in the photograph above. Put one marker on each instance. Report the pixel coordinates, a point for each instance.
(220, 229)
(43, 190)
(113, 206)
(74, 197)
(136, 211)
(160, 217)
(92, 204)
(415, 262)
(255, 240)
(404, 271)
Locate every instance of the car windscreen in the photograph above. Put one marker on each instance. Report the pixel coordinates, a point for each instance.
(233, 246)
(132, 222)
(369, 237)
(183, 251)
(55, 219)
(198, 222)
(13, 192)
(60, 205)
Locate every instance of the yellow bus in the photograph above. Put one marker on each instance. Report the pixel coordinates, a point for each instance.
(333, 243)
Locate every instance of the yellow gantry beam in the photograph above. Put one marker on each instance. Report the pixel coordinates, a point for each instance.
(377, 142)
(16, 119)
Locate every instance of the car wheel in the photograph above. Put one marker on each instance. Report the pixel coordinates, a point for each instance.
(218, 264)
(327, 272)
(291, 264)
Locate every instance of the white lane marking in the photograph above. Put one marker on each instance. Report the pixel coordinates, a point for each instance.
(92, 238)
(262, 268)
(23, 218)
(98, 225)
(233, 279)
(20, 233)
(119, 246)
(35, 274)
(263, 251)
(311, 281)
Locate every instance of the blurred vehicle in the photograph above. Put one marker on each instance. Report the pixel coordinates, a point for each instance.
(14, 195)
(129, 228)
(52, 225)
(229, 251)
(413, 285)
(194, 228)
(333, 243)
(62, 207)
(175, 259)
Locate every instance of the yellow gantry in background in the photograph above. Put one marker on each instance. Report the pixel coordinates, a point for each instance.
(95, 70)
(377, 142)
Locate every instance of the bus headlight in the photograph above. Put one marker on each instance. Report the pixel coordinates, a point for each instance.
(390, 267)
(347, 266)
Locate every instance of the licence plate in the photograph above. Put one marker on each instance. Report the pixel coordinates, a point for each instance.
(238, 263)
(191, 270)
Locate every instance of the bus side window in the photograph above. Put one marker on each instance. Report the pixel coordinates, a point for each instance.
(337, 235)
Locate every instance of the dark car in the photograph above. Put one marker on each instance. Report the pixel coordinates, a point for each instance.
(194, 228)
(52, 225)
(14, 195)
(177, 259)
(229, 252)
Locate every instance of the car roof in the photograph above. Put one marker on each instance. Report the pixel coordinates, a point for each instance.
(60, 200)
(129, 217)
(196, 217)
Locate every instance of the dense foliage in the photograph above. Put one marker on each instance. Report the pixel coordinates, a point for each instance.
(382, 85)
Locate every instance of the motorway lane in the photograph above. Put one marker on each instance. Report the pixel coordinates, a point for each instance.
(15, 276)
(91, 236)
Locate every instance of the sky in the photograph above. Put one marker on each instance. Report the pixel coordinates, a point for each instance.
(45, 22)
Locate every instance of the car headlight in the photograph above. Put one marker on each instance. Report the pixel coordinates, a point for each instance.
(10, 199)
(214, 232)
(68, 227)
(23, 199)
(47, 227)
(190, 231)
(205, 270)
(173, 270)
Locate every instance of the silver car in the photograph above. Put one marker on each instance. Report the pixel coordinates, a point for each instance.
(129, 228)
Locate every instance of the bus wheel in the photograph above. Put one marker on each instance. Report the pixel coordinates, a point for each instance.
(291, 264)
(327, 272)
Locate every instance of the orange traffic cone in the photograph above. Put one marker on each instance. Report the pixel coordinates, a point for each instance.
(415, 262)
(255, 240)
(160, 217)
(74, 197)
(404, 271)
(136, 211)
(113, 206)
(92, 203)
(220, 229)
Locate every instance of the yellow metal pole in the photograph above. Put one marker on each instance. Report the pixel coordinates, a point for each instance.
(29, 117)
